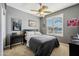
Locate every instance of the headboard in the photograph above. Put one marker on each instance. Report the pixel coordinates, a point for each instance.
(30, 29)
(24, 30)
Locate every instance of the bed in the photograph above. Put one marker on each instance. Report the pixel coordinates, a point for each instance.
(41, 45)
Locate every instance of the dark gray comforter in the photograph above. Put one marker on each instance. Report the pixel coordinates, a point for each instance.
(43, 46)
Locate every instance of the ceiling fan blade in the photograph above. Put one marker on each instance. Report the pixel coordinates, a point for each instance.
(35, 10)
(47, 12)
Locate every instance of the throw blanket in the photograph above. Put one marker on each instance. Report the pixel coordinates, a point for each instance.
(43, 45)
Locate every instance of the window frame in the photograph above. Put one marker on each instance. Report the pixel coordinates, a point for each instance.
(53, 33)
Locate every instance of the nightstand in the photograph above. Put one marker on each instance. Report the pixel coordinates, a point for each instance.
(74, 47)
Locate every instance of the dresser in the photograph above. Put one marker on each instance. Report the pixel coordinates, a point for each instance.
(74, 47)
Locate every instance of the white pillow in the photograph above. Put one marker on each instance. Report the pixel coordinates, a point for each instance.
(30, 33)
(37, 33)
(78, 35)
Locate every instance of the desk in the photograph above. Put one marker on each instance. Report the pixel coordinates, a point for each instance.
(15, 39)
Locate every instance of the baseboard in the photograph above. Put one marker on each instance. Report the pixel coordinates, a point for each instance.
(8, 46)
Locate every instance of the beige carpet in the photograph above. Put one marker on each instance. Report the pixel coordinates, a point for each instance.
(22, 50)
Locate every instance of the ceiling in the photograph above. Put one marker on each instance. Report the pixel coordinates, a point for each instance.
(27, 7)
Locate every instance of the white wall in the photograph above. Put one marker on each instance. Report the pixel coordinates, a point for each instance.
(0, 30)
(3, 26)
(14, 13)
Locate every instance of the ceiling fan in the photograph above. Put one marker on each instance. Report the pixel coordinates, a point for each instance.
(42, 10)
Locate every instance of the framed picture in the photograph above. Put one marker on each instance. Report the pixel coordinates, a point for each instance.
(32, 23)
(73, 22)
(16, 24)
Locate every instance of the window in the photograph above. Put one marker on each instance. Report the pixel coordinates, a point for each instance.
(55, 25)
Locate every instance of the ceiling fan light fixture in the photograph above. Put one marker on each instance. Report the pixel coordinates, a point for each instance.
(41, 13)
(42, 10)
